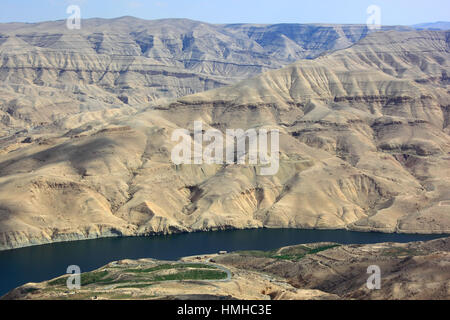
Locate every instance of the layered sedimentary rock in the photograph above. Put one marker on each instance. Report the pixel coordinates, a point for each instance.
(51, 76)
(364, 145)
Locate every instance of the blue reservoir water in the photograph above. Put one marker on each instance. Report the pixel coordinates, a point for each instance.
(39, 263)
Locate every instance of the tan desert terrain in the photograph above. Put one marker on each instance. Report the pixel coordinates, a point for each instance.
(51, 77)
(364, 145)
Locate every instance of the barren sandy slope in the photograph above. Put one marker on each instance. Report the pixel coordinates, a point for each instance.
(364, 145)
(51, 76)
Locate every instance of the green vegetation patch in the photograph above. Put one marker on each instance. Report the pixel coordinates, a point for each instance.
(94, 277)
(192, 275)
(324, 248)
(170, 267)
(59, 282)
(293, 253)
(86, 279)
(29, 290)
(142, 278)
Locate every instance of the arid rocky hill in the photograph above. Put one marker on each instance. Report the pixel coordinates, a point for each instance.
(412, 271)
(364, 145)
(51, 76)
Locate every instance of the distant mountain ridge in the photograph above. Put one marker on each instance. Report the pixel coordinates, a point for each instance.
(439, 25)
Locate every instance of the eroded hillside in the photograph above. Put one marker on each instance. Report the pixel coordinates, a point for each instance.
(364, 145)
(52, 77)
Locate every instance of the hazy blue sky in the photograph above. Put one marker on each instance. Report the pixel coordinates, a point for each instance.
(404, 12)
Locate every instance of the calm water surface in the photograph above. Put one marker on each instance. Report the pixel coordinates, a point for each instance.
(39, 263)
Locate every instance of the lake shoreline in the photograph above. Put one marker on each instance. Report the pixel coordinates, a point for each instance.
(37, 263)
(110, 235)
